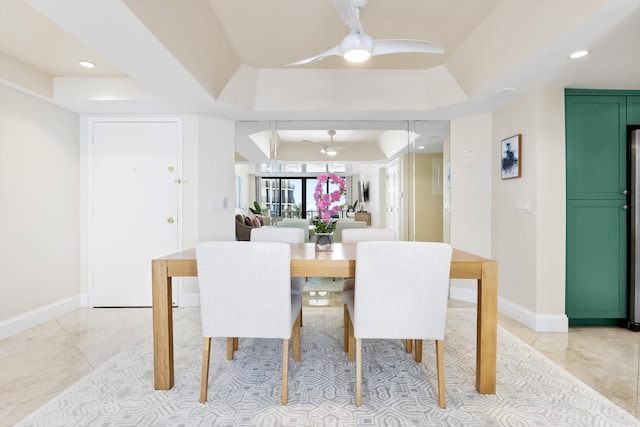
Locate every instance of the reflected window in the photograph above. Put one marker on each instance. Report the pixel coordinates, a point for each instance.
(282, 197)
(286, 197)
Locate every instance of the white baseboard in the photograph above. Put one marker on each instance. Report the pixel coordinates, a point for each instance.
(32, 318)
(539, 322)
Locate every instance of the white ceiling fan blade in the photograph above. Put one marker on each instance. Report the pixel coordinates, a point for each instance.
(334, 51)
(383, 47)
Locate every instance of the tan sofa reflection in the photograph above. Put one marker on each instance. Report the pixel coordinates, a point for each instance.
(244, 225)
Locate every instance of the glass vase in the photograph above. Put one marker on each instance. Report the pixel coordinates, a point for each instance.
(324, 242)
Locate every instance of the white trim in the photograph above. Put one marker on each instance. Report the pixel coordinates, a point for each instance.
(29, 319)
(463, 294)
(539, 322)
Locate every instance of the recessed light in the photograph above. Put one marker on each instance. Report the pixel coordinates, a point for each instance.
(86, 64)
(579, 54)
(421, 147)
(505, 91)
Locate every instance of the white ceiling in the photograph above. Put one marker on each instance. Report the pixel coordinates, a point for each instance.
(227, 57)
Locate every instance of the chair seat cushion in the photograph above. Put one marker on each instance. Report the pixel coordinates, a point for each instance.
(297, 284)
(348, 298)
(296, 305)
(348, 284)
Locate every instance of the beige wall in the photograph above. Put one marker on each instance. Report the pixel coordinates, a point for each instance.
(40, 215)
(470, 193)
(370, 174)
(428, 212)
(529, 247)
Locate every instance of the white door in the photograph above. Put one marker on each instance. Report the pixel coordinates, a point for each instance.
(392, 202)
(135, 207)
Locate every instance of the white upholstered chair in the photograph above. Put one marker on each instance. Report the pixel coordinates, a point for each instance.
(400, 292)
(343, 224)
(283, 235)
(302, 224)
(257, 302)
(355, 235)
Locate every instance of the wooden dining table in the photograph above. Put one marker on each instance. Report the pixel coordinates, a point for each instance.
(341, 262)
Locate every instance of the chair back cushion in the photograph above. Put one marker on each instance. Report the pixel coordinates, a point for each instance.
(278, 234)
(353, 235)
(245, 289)
(342, 224)
(401, 289)
(301, 224)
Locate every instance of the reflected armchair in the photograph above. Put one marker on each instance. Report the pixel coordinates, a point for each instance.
(343, 224)
(302, 224)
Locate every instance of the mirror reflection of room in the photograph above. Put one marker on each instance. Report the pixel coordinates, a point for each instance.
(393, 170)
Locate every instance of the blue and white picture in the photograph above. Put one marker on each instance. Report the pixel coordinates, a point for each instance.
(511, 158)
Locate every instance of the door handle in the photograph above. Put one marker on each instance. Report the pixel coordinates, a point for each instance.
(625, 207)
(170, 220)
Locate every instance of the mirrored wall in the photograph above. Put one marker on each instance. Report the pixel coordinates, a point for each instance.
(395, 171)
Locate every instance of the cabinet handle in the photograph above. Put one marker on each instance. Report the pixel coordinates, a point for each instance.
(625, 192)
(625, 207)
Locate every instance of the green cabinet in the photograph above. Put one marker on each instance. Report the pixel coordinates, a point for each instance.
(633, 110)
(596, 147)
(596, 215)
(596, 269)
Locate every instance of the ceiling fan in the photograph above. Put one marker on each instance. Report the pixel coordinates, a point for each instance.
(328, 149)
(358, 46)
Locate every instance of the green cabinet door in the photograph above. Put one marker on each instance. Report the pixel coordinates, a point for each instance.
(633, 110)
(596, 262)
(596, 146)
(596, 220)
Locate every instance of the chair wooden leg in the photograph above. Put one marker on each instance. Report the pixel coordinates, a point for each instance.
(409, 346)
(352, 341)
(235, 343)
(358, 344)
(418, 351)
(230, 348)
(301, 316)
(345, 327)
(442, 401)
(204, 380)
(296, 338)
(285, 371)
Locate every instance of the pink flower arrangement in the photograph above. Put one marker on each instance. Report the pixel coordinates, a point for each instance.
(325, 202)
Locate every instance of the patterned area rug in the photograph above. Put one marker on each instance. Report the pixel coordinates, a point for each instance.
(532, 391)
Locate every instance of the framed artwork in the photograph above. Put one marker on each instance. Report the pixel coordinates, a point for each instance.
(511, 164)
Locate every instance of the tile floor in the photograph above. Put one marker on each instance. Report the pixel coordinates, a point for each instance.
(39, 363)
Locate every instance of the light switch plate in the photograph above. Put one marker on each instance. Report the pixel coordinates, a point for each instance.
(523, 206)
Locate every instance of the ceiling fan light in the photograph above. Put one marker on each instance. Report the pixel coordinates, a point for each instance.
(331, 152)
(356, 47)
(357, 55)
